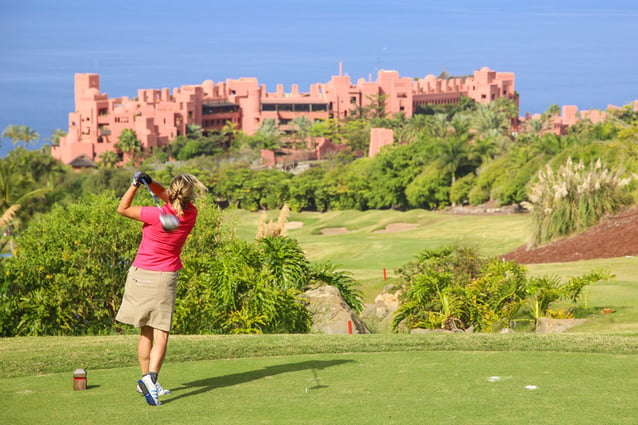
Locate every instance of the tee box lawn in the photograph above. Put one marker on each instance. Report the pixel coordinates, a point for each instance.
(353, 379)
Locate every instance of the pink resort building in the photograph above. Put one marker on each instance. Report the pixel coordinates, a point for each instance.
(157, 116)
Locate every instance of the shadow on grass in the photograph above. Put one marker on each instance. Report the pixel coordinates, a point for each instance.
(201, 386)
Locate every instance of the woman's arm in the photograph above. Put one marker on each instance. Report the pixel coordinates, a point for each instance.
(125, 208)
(159, 190)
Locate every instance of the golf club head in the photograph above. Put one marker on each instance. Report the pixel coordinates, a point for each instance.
(169, 222)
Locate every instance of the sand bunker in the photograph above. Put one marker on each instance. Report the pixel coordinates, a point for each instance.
(398, 227)
(334, 231)
(294, 225)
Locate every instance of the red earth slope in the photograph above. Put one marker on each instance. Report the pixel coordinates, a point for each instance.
(615, 236)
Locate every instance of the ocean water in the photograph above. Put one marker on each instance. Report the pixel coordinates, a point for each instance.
(566, 53)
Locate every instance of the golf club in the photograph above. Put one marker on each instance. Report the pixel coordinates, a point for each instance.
(169, 221)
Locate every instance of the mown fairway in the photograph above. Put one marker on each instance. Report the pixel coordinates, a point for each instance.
(365, 252)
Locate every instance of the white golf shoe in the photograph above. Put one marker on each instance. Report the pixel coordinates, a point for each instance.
(149, 389)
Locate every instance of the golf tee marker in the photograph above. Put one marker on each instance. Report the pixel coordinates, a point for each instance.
(79, 380)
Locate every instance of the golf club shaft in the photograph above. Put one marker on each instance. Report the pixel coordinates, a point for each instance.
(153, 195)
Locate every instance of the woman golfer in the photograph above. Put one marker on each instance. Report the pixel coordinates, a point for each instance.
(149, 296)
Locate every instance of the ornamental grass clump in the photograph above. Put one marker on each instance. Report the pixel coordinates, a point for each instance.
(574, 198)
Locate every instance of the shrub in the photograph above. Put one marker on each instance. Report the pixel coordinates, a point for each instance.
(69, 270)
(457, 289)
(430, 189)
(573, 198)
(460, 190)
(241, 287)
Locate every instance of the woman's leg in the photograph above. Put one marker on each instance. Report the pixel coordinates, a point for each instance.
(151, 349)
(144, 347)
(158, 352)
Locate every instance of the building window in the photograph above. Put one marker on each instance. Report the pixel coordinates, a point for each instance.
(302, 107)
(269, 107)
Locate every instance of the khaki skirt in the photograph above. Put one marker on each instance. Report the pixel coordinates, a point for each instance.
(149, 299)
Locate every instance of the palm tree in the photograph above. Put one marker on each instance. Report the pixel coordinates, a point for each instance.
(270, 134)
(12, 132)
(13, 185)
(109, 159)
(194, 131)
(229, 131)
(409, 132)
(56, 135)
(129, 143)
(28, 135)
(507, 107)
(535, 126)
(461, 124)
(489, 120)
(440, 126)
(303, 126)
(453, 151)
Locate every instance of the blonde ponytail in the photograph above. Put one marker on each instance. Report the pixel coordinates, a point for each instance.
(182, 190)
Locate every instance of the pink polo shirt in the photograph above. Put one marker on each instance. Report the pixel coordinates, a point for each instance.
(160, 250)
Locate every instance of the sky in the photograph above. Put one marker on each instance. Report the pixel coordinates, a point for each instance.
(567, 52)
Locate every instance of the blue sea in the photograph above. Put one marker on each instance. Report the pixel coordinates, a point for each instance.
(563, 52)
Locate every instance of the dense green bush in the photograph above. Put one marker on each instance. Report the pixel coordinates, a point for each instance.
(308, 193)
(460, 190)
(69, 270)
(455, 288)
(68, 276)
(257, 287)
(430, 189)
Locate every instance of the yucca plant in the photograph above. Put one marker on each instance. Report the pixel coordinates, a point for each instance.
(573, 198)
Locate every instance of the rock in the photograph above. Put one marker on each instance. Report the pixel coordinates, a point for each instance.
(546, 325)
(331, 314)
(386, 303)
(379, 315)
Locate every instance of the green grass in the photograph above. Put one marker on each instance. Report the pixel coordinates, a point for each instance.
(329, 379)
(365, 253)
(25, 356)
(619, 294)
(580, 377)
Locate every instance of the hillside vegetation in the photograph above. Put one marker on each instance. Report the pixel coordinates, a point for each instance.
(348, 211)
